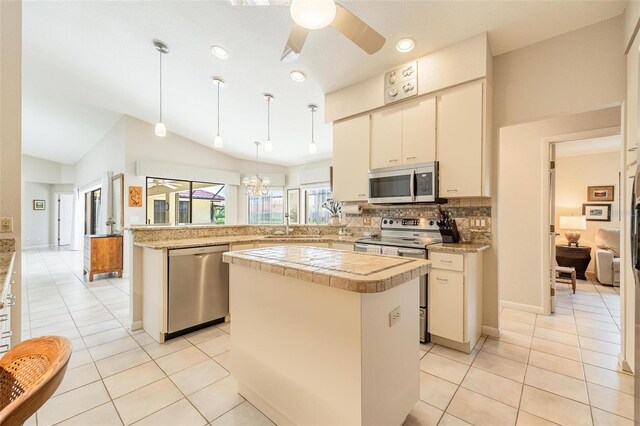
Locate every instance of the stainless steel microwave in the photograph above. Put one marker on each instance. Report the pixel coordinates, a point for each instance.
(409, 183)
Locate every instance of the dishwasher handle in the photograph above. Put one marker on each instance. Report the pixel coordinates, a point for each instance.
(198, 250)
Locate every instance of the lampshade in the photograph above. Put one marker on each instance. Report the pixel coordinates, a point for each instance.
(573, 222)
(313, 14)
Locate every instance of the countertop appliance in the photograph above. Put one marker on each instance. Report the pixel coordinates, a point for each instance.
(408, 183)
(198, 289)
(406, 237)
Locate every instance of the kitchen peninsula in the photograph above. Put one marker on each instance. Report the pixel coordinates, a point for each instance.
(324, 336)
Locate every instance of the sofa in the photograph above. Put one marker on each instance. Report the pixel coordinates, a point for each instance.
(608, 256)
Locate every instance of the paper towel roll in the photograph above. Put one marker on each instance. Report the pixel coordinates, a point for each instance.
(352, 209)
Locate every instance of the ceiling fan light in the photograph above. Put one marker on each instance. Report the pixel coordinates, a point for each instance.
(297, 76)
(218, 142)
(313, 14)
(405, 44)
(161, 129)
(268, 146)
(219, 52)
(313, 148)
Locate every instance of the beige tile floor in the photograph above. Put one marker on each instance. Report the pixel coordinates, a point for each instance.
(544, 370)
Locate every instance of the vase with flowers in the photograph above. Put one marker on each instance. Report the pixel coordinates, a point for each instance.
(334, 208)
(110, 222)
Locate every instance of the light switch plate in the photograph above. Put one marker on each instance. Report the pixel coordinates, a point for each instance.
(394, 317)
(366, 221)
(6, 224)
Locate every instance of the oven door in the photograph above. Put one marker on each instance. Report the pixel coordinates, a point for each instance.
(391, 185)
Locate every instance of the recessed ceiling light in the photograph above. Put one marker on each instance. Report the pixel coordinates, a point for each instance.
(220, 52)
(297, 75)
(405, 44)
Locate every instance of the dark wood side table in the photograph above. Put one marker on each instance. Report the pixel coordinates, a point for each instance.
(578, 257)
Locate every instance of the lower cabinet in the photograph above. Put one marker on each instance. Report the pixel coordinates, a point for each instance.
(102, 254)
(455, 299)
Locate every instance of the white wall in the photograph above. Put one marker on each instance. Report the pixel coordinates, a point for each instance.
(523, 204)
(36, 169)
(36, 224)
(573, 175)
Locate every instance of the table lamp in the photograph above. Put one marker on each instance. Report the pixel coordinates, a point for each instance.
(571, 224)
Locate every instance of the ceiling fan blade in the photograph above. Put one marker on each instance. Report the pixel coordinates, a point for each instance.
(292, 49)
(356, 30)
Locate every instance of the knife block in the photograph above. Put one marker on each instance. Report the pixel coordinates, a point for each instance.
(450, 233)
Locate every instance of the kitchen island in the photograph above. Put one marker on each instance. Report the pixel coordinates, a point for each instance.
(324, 336)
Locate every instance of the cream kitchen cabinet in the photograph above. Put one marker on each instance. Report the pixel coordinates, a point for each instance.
(460, 141)
(351, 159)
(404, 134)
(455, 299)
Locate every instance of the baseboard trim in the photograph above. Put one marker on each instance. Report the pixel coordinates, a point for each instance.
(521, 307)
(135, 325)
(491, 331)
(624, 364)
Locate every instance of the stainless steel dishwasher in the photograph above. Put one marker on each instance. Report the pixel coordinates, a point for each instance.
(198, 288)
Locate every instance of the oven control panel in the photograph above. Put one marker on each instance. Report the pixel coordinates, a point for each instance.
(421, 223)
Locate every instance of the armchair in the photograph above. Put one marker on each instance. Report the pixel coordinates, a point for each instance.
(608, 256)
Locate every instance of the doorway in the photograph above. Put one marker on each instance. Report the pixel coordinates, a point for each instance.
(92, 204)
(63, 218)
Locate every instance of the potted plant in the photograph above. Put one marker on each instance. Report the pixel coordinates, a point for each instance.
(334, 208)
(110, 222)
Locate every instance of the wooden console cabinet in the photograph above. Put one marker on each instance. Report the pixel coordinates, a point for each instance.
(102, 254)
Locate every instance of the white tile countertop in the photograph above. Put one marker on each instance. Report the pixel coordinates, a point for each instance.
(357, 272)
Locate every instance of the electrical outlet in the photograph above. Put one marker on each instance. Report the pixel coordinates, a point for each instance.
(394, 317)
(6, 224)
(483, 223)
(366, 220)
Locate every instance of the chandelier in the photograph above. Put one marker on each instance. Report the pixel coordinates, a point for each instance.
(256, 185)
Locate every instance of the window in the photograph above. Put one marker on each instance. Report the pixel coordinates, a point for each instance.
(182, 201)
(267, 208)
(92, 211)
(313, 205)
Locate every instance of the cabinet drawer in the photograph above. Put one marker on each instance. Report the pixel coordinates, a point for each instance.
(446, 305)
(452, 262)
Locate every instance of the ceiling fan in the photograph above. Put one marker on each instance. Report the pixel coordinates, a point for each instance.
(164, 182)
(316, 14)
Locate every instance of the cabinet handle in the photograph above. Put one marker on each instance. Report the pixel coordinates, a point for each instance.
(6, 334)
(446, 261)
(4, 317)
(361, 195)
(442, 279)
(5, 350)
(635, 148)
(10, 302)
(411, 158)
(452, 190)
(393, 161)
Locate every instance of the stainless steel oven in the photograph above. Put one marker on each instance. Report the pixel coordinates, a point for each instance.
(409, 183)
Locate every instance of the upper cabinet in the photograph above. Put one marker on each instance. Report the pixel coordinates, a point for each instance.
(404, 134)
(351, 159)
(460, 147)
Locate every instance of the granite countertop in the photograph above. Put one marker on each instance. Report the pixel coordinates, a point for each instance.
(6, 266)
(243, 239)
(459, 247)
(356, 272)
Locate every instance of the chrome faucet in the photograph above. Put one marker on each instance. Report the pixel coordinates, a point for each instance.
(286, 223)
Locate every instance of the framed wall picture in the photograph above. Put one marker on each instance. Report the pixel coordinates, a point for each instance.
(135, 196)
(597, 212)
(39, 204)
(293, 206)
(600, 193)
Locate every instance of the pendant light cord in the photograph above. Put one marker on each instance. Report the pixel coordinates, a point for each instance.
(313, 111)
(218, 108)
(160, 53)
(269, 119)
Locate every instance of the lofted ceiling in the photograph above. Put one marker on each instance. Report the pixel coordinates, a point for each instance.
(589, 146)
(86, 63)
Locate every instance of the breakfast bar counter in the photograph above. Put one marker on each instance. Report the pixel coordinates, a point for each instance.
(322, 336)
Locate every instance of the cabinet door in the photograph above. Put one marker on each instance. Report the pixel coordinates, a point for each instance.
(459, 142)
(386, 137)
(419, 131)
(446, 305)
(351, 159)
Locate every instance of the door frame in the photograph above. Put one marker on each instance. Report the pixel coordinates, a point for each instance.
(56, 219)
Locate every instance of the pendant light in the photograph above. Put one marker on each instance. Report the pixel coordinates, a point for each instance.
(161, 129)
(313, 148)
(255, 185)
(268, 146)
(313, 14)
(217, 141)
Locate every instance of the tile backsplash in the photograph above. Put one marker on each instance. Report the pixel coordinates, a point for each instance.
(473, 216)
(7, 245)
